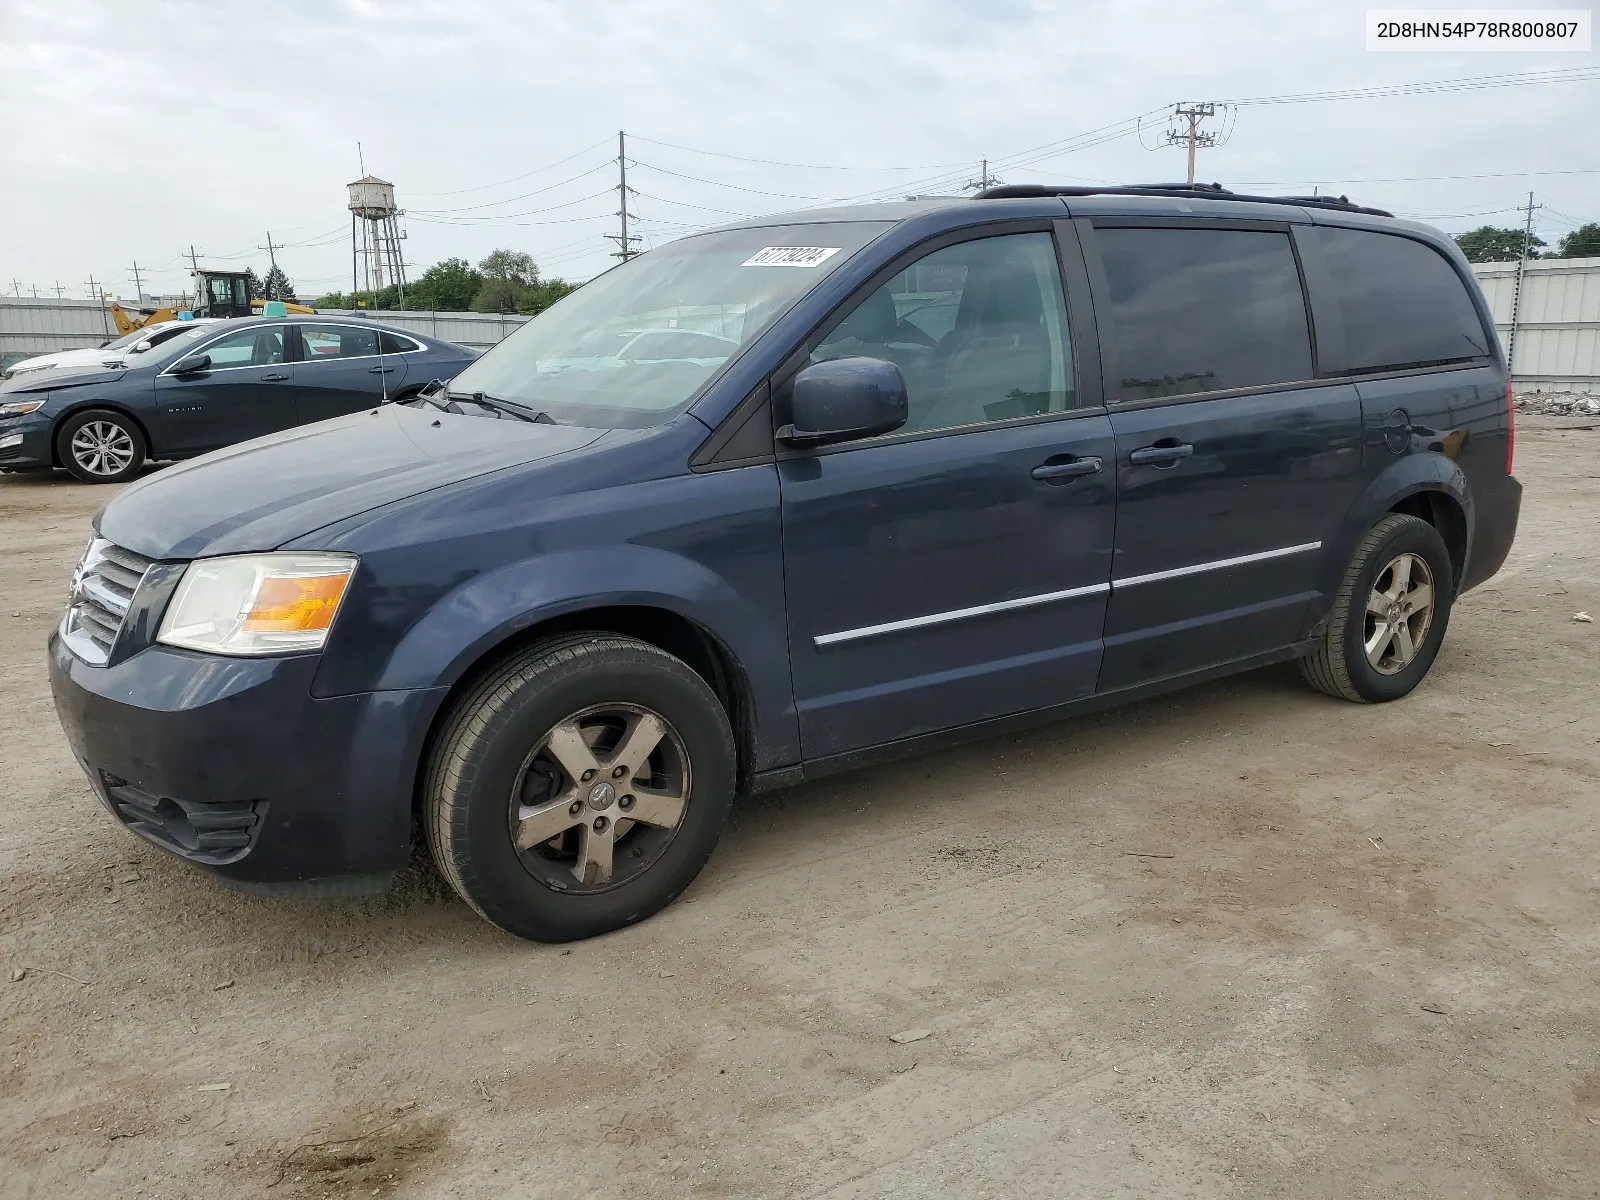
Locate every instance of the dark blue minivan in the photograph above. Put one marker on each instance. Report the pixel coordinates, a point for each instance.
(784, 498)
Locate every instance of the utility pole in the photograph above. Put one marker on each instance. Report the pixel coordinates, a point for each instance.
(138, 284)
(60, 291)
(984, 181)
(1516, 290)
(272, 257)
(1193, 114)
(625, 240)
(16, 288)
(96, 294)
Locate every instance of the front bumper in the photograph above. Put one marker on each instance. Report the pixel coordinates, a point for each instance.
(35, 449)
(232, 764)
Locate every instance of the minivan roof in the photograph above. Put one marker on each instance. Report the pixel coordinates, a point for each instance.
(1145, 199)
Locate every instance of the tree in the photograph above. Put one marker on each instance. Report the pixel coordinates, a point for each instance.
(1488, 244)
(252, 281)
(498, 296)
(511, 266)
(534, 300)
(277, 286)
(1582, 242)
(447, 286)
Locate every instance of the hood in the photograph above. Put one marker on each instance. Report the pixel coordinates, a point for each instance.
(258, 495)
(67, 375)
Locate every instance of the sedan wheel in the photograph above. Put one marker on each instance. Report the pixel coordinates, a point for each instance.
(100, 446)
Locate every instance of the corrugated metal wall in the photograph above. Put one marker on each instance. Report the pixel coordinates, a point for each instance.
(30, 325)
(1557, 345)
(1558, 321)
(478, 331)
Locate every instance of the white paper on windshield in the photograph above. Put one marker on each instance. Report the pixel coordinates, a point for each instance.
(790, 256)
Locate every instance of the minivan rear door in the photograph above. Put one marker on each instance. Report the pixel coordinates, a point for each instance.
(1234, 462)
(957, 569)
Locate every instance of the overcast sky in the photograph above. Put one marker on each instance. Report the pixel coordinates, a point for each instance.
(135, 129)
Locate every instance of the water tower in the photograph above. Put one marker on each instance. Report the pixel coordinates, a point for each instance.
(375, 257)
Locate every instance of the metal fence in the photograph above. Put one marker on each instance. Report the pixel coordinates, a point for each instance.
(37, 325)
(1556, 347)
(477, 331)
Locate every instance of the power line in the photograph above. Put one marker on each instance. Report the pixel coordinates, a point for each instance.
(767, 162)
(734, 186)
(1463, 84)
(513, 199)
(483, 187)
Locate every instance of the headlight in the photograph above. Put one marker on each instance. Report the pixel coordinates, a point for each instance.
(257, 603)
(20, 408)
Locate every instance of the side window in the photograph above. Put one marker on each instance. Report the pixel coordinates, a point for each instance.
(1402, 302)
(979, 330)
(1203, 310)
(254, 347)
(393, 343)
(337, 341)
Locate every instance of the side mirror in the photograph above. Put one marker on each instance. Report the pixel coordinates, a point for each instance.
(843, 399)
(138, 347)
(192, 365)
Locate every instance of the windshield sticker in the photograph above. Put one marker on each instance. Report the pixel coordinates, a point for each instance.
(790, 256)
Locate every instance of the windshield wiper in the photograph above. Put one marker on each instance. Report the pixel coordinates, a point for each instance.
(510, 407)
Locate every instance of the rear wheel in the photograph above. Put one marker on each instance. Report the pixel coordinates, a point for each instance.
(101, 446)
(579, 786)
(1389, 616)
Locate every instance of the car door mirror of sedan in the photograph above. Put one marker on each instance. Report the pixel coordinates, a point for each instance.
(192, 365)
(843, 399)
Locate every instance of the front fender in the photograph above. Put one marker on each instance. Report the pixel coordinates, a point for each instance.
(487, 609)
(1424, 472)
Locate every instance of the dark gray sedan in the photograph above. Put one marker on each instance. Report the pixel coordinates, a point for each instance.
(211, 387)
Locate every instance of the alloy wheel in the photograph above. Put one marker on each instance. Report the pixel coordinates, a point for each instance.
(600, 798)
(1399, 613)
(102, 448)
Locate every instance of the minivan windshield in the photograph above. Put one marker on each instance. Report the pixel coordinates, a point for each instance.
(632, 347)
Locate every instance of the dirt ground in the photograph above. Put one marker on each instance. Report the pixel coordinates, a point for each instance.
(1241, 941)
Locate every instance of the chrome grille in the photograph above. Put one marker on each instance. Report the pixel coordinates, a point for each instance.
(102, 591)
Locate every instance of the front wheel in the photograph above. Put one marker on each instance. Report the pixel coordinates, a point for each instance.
(579, 786)
(101, 446)
(1389, 616)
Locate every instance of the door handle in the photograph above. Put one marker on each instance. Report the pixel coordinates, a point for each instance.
(379, 370)
(273, 378)
(1159, 455)
(1060, 472)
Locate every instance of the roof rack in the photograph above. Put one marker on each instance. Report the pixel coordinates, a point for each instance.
(1199, 191)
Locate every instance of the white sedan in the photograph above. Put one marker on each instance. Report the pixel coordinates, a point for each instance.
(137, 342)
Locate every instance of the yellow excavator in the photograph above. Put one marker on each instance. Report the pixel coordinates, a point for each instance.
(216, 294)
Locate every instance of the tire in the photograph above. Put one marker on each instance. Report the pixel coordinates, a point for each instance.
(1341, 665)
(494, 777)
(98, 445)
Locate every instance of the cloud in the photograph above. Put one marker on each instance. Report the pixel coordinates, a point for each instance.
(134, 131)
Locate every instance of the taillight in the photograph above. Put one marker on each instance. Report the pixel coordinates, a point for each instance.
(1511, 426)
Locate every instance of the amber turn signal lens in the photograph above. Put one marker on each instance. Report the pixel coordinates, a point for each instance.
(296, 605)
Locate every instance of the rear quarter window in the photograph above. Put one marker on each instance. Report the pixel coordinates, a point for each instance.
(1402, 303)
